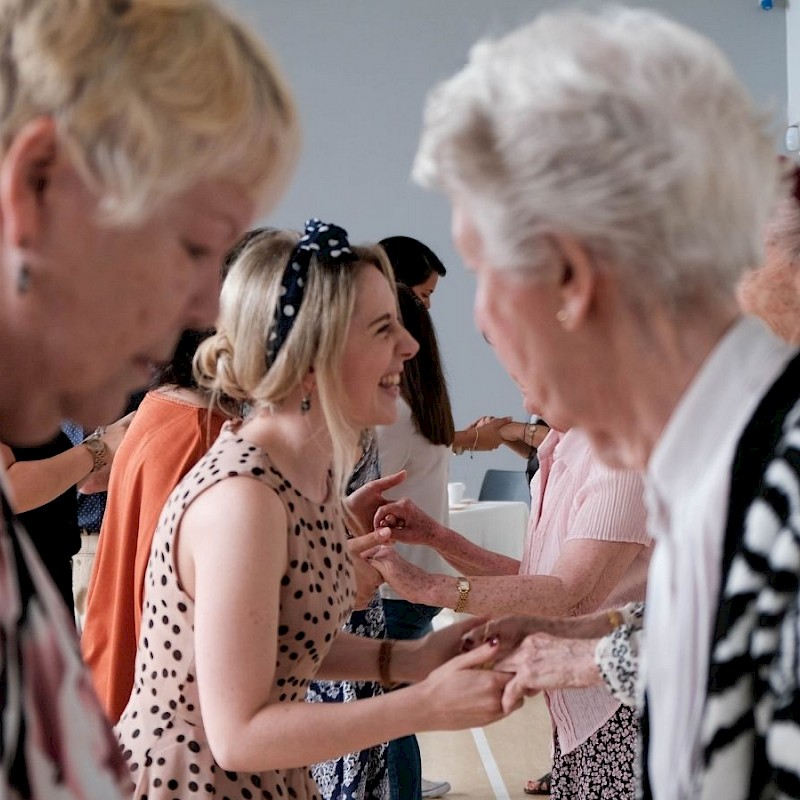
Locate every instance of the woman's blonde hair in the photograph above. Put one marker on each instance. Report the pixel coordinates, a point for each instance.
(148, 96)
(233, 362)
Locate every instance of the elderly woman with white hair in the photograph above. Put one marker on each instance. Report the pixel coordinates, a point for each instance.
(608, 230)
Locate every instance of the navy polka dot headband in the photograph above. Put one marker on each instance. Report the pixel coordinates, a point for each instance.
(329, 244)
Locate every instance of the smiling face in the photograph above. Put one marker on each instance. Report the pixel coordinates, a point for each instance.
(105, 302)
(426, 289)
(376, 349)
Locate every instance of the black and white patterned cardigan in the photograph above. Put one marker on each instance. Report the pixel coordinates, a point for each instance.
(750, 730)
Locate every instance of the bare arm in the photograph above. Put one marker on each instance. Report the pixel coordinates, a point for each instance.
(413, 526)
(356, 657)
(522, 437)
(483, 434)
(35, 483)
(236, 578)
(582, 578)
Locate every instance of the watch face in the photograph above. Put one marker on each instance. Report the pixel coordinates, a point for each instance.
(94, 444)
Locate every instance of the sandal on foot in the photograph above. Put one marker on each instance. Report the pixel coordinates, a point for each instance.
(541, 786)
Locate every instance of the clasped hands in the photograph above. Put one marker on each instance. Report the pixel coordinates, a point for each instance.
(532, 651)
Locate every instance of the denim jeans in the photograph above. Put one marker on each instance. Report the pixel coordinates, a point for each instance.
(406, 620)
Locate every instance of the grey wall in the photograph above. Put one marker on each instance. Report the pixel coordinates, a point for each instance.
(360, 70)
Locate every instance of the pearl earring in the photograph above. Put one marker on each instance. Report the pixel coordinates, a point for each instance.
(562, 316)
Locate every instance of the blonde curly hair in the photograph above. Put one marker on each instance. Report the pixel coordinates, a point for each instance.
(147, 96)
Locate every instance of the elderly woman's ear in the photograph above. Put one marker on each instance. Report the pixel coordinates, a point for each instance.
(25, 174)
(577, 281)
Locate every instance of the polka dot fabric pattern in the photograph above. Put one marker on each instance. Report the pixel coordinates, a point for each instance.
(161, 731)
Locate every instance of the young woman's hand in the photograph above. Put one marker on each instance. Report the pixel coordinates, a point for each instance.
(465, 692)
(365, 501)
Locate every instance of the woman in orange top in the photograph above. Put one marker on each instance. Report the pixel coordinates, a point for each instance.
(171, 432)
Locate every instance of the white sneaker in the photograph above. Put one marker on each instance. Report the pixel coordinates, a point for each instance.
(434, 788)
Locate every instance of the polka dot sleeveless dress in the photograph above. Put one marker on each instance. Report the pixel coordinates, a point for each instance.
(161, 731)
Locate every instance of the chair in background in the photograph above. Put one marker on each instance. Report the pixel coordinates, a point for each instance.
(505, 484)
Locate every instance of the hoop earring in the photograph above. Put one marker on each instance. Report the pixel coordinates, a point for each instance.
(305, 404)
(23, 279)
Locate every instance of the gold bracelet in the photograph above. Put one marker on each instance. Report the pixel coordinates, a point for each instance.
(615, 619)
(475, 443)
(385, 661)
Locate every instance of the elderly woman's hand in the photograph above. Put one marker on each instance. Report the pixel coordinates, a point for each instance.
(507, 632)
(409, 581)
(544, 662)
(409, 523)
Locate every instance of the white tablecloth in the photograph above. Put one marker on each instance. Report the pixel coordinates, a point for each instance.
(495, 525)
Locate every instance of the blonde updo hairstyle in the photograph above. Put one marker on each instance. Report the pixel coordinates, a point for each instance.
(148, 96)
(233, 362)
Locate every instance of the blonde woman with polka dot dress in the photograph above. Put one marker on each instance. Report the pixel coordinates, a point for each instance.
(250, 578)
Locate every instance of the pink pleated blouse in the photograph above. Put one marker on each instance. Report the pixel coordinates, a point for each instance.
(575, 496)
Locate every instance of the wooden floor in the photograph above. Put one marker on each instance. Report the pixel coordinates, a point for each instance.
(491, 763)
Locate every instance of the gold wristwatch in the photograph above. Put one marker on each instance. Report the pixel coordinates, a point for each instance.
(96, 445)
(463, 594)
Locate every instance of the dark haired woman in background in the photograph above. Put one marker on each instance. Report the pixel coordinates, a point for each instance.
(415, 265)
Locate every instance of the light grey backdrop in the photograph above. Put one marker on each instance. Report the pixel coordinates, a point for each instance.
(360, 70)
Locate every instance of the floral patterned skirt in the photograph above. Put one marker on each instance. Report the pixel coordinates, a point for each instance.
(363, 775)
(602, 767)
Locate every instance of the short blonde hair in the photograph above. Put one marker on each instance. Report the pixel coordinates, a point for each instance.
(148, 96)
(605, 126)
(233, 362)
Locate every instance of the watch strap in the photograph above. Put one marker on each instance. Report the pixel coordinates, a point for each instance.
(463, 594)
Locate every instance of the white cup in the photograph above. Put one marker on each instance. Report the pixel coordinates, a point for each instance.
(455, 492)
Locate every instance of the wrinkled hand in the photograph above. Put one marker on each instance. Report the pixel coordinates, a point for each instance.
(368, 579)
(98, 481)
(544, 662)
(464, 692)
(508, 632)
(365, 501)
(408, 580)
(409, 523)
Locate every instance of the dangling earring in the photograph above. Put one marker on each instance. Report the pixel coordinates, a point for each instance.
(305, 404)
(23, 279)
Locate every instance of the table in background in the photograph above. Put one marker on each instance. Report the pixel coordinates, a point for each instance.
(493, 524)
